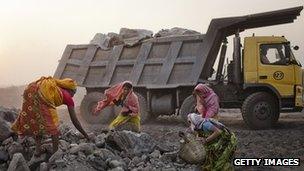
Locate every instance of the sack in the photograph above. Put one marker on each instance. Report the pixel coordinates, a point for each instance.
(192, 151)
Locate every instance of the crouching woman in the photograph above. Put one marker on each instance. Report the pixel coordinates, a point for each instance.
(219, 141)
(122, 95)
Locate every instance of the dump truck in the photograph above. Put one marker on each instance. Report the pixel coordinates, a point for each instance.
(263, 78)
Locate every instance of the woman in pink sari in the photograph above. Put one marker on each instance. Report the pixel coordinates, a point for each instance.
(122, 95)
(207, 102)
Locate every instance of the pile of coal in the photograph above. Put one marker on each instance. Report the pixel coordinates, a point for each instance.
(109, 150)
(7, 117)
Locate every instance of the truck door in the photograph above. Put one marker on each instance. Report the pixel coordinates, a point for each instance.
(274, 68)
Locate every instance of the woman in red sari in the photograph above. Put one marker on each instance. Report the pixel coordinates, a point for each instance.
(39, 117)
(122, 95)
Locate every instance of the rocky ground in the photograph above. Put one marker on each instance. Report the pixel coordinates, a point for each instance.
(154, 149)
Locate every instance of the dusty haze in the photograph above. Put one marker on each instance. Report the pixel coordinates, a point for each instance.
(34, 33)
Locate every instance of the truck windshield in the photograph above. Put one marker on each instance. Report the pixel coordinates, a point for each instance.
(274, 54)
(291, 56)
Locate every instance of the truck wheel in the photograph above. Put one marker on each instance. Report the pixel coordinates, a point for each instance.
(260, 110)
(88, 103)
(144, 114)
(186, 108)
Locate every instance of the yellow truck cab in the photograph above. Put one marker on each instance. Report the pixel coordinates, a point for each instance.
(272, 73)
(270, 61)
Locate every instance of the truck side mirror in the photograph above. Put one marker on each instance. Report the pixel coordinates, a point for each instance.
(296, 47)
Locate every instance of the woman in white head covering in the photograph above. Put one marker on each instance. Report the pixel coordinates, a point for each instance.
(219, 142)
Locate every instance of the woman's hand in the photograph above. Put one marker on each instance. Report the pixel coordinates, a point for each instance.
(195, 109)
(90, 137)
(115, 102)
(216, 132)
(132, 114)
(126, 113)
(203, 140)
(118, 102)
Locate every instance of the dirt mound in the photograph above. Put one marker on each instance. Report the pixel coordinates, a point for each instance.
(7, 116)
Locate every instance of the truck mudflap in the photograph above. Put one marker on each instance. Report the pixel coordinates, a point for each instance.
(299, 96)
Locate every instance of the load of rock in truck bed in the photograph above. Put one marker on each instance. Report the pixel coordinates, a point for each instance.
(131, 37)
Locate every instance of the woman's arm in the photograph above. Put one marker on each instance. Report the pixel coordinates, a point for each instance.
(131, 105)
(75, 121)
(214, 135)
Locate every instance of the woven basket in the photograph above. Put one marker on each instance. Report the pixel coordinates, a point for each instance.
(192, 151)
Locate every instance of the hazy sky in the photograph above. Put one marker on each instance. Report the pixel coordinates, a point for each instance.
(34, 33)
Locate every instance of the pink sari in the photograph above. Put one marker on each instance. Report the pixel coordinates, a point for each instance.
(207, 102)
(115, 92)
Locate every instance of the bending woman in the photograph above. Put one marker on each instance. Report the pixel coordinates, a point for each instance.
(122, 95)
(219, 142)
(207, 102)
(39, 117)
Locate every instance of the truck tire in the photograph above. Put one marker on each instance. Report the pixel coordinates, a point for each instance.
(186, 108)
(144, 114)
(88, 104)
(260, 110)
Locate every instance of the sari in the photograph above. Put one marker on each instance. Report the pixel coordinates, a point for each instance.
(207, 102)
(40, 98)
(130, 104)
(219, 152)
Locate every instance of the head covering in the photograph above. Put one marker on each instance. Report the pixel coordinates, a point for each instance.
(195, 120)
(66, 83)
(131, 100)
(49, 89)
(207, 102)
(116, 90)
(203, 90)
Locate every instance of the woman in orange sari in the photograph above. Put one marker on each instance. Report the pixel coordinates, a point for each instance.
(122, 95)
(39, 116)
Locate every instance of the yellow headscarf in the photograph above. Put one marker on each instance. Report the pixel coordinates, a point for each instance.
(49, 89)
(66, 83)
